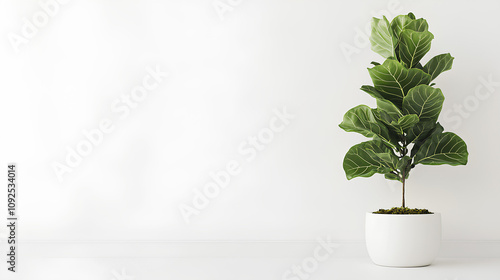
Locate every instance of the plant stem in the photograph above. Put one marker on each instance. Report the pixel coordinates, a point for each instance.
(403, 179)
(403, 172)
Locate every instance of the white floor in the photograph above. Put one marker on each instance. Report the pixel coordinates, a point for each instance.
(247, 268)
(231, 261)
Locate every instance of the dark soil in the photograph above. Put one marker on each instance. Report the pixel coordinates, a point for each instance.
(402, 210)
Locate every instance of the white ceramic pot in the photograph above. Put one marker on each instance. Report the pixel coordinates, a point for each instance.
(403, 240)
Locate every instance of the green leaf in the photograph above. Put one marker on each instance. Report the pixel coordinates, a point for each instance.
(399, 23)
(394, 133)
(438, 65)
(392, 176)
(382, 38)
(424, 101)
(361, 119)
(372, 91)
(404, 166)
(407, 121)
(383, 103)
(445, 148)
(419, 25)
(425, 135)
(375, 63)
(420, 131)
(388, 107)
(384, 117)
(413, 45)
(362, 161)
(404, 22)
(393, 81)
(419, 66)
(403, 163)
(389, 159)
(396, 123)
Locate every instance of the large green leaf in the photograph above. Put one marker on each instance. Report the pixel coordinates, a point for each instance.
(388, 158)
(372, 91)
(382, 38)
(395, 136)
(403, 22)
(425, 134)
(382, 103)
(413, 45)
(398, 124)
(399, 23)
(364, 159)
(389, 108)
(438, 65)
(406, 122)
(419, 25)
(386, 112)
(424, 101)
(361, 119)
(420, 131)
(444, 148)
(393, 81)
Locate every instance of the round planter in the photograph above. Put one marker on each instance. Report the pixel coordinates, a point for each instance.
(403, 240)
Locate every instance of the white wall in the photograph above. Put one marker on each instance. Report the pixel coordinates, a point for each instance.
(226, 78)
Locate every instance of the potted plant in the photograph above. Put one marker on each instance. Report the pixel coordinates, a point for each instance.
(405, 133)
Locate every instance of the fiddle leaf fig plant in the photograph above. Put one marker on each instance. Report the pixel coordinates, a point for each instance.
(404, 128)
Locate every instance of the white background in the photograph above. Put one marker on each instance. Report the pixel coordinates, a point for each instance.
(227, 73)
